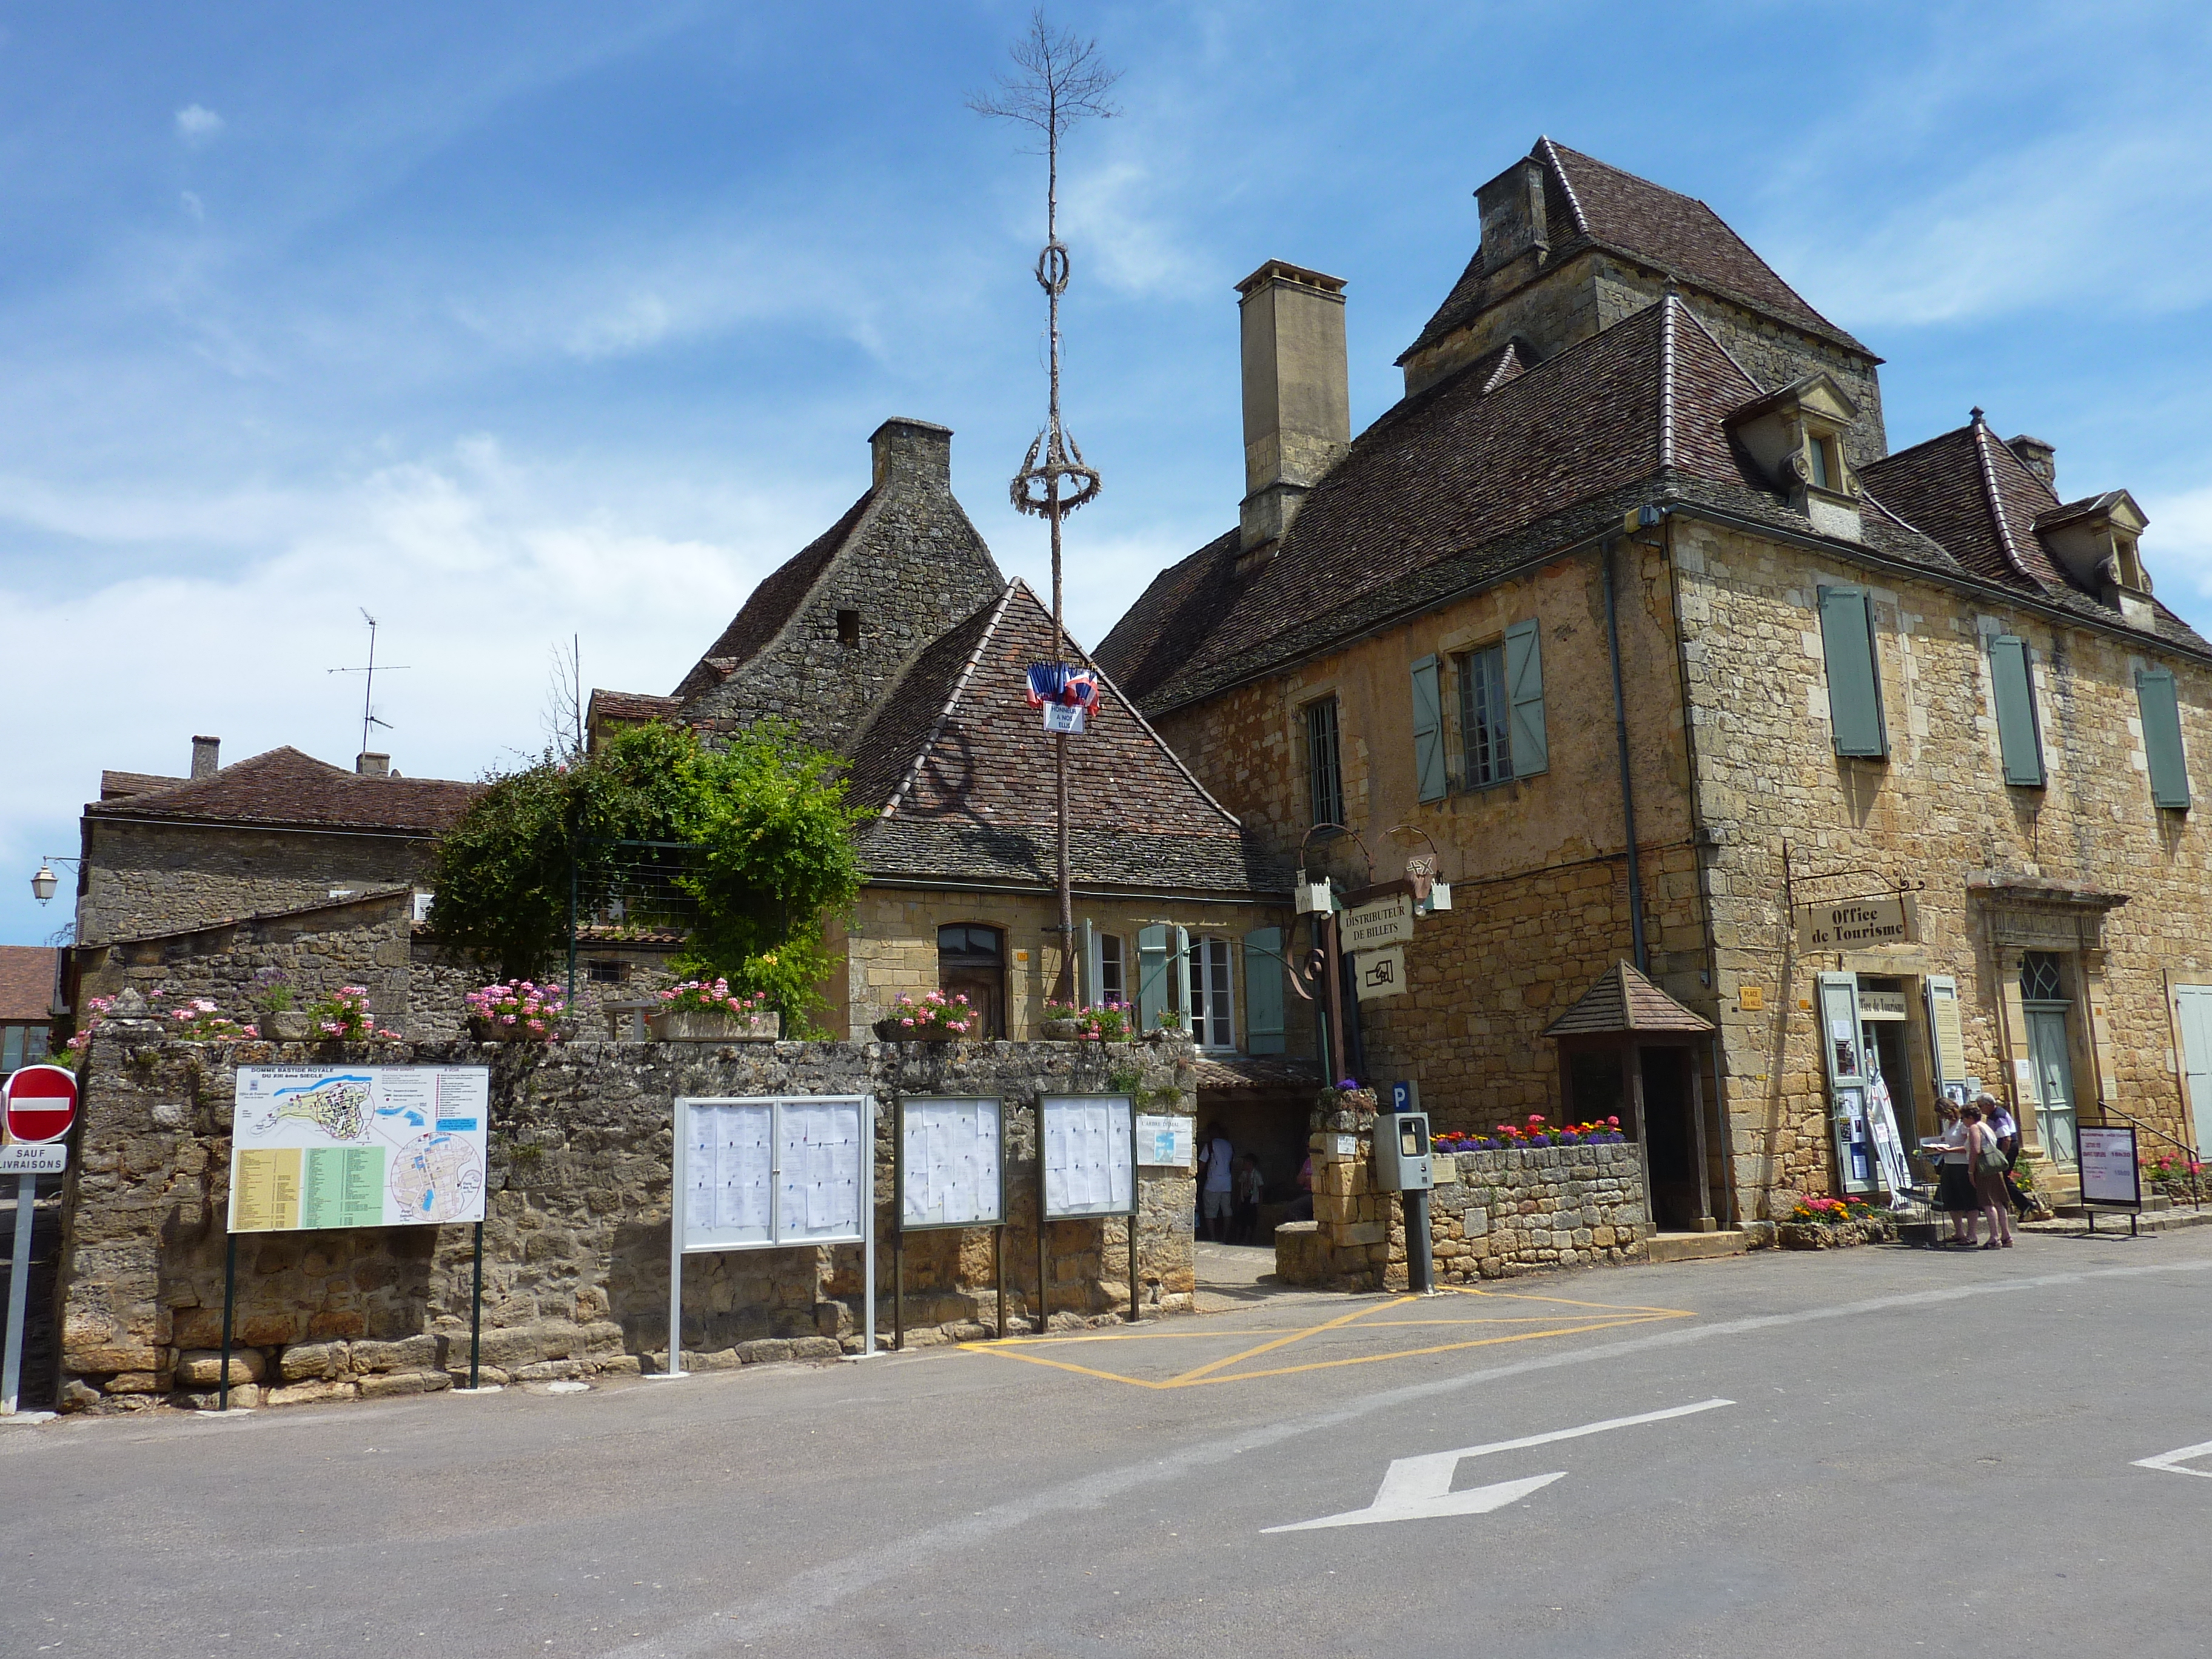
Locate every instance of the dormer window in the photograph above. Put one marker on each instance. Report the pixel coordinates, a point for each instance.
(1795, 435)
(1823, 467)
(2130, 564)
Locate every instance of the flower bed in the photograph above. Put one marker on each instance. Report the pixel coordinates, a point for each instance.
(932, 1017)
(1827, 1223)
(1537, 1132)
(708, 1011)
(345, 1014)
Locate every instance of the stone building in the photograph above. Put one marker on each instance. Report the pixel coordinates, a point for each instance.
(30, 990)
(1878, 762)
(895, 641)
(195, 882)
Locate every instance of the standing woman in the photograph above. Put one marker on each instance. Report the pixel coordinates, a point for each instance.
(1954, 1183)
(2006, 1128)
(1985, 1159)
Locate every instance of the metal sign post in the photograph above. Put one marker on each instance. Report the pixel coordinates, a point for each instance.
(26, 1164)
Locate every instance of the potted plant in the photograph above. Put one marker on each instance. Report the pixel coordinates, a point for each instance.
(1104, 1022)
(1169, 1022)
(344, 1014)
(708, 1011)
(281, 1017)
(933, 1017)
(196, 1021)
(517, 1011)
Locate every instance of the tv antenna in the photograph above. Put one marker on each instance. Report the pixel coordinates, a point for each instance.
(368, 685)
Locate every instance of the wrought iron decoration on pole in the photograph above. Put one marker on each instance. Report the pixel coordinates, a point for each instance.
(1057, 82)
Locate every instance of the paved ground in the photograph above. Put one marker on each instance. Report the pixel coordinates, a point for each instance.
(1876, 1451)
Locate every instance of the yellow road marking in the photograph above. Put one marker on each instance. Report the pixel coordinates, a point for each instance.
(1217, 1370)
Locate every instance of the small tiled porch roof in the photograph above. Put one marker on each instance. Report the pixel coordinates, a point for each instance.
(1621, 1001)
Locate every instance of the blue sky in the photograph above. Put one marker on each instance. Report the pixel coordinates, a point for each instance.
(511, 323)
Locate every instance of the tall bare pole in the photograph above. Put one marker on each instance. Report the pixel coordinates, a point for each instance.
(1058, 80)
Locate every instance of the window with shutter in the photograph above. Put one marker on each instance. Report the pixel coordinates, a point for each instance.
(1854, 681)
(1524, 687)
(2161, 724)
(1428, 732)
(1487, 752)
(2019, 739)
(1263, 991)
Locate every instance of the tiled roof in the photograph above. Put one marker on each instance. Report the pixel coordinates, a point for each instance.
(1972, 494)
(638, 706)
(963, 772)
(26, 981)
(1590, 204)
(115, 785)
(1255, 1072)
(771, 606)
(1442, 491)
(286, 787)
(1620, 999)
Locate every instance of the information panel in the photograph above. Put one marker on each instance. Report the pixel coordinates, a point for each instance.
(951, 1170)
(1089, 1156)
(2109, 1174)
(1167, 1141)
(772, 1171)
(314, 1146)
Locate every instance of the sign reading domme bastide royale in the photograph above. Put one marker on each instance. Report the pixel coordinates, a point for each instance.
(357, 1147)
(1892, 919)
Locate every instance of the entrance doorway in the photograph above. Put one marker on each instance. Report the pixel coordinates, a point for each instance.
(2050, 1055)
(1679, 1203)
(971, 961)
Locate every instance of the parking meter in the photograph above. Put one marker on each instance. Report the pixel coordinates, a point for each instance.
(1401, 1152)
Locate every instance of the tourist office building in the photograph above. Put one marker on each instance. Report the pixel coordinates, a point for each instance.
(1882, 764)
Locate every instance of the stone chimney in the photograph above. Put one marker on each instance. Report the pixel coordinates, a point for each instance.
(2038, 457)
(912, 452)
(1297, 395)
(1513, 225)
(371, 765)
(205, 757)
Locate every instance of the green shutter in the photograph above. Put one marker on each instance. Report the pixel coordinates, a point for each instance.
(1429, 732)
(1524, 694)
(2161, 724)
(1854, 683)
(1152, 990)
(2018, 739)
(1263, 991)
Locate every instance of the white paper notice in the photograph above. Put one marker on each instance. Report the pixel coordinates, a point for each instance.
(1088, 1167)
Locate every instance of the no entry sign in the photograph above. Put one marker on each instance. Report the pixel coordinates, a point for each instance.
(41, 1102)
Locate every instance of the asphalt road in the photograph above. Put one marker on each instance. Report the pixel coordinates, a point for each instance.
(1875, 1452)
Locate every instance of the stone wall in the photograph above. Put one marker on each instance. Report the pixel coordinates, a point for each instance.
(150, 878)
(576, 1234)
(1998, 862)
(1492, 1215)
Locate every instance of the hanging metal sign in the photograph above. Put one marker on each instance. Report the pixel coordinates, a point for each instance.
(1388, 920)
(1382, 973)
(1892, 919)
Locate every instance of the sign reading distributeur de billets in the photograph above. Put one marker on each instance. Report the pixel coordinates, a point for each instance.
(41, 1104)
(1386, 920)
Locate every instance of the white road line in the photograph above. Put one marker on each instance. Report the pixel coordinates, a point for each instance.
(1419, 1488)
(813, 1592)
(2171, 1462)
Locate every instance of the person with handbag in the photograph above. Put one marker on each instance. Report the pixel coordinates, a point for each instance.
(1954, 1182)
(2007, 1129)
(1985, 1161)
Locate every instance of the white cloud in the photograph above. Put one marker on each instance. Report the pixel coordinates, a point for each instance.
(197, 124)
(2177, 547)
(472, 567)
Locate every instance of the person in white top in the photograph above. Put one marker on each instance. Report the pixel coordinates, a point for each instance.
(2006, 1128)
(1954, 1182)
(1217, 1186)
(1985, 1161)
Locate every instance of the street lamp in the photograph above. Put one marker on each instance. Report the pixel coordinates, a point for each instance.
(44, 883)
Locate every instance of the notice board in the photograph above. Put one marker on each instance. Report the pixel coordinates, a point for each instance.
(951, 1169)
(761, 1172)
(1090, 1155)
(315, 1146)
(2109, 1174)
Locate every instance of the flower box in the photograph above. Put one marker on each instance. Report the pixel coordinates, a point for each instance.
(891, 1031)
(705, 1025)
(1062, 1031)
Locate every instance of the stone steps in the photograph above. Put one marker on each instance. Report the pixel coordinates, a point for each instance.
(1696, 1247)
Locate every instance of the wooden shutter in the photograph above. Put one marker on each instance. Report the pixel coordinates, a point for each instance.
(1524, 694)
(2018, 739)
(2161, 724)
(1429, 732)
(1094, 972)
(1152, 975)
(1854, 681)
(1263, 991)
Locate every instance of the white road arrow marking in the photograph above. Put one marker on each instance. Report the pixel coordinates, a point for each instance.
(2171, 1462)
(1417, 1488)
